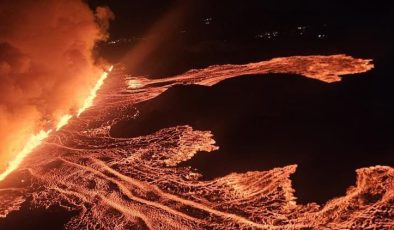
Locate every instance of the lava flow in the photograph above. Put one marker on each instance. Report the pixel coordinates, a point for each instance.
(137, 183)
(37, 139)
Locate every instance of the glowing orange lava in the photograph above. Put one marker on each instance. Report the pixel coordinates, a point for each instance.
(37, 139)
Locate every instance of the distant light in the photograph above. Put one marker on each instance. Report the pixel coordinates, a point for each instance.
(301, 30)
(268, 35)
(208, 21)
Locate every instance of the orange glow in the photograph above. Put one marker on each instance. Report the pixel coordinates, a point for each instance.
(93, 92)
(31, 144)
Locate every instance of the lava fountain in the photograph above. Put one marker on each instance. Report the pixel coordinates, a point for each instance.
(35, 140)
(93, 92)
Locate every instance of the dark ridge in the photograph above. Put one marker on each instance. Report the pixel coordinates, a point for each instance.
(266, 121)
(28, 218)
(159, 84)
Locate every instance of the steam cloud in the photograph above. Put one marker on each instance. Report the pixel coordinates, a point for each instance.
(47, 64)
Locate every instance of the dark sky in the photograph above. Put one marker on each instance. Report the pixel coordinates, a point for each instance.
(233, 17)
(232, 31)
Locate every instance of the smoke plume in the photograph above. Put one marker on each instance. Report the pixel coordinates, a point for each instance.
(46, 64)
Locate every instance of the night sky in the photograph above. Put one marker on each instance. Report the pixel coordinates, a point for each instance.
(220, 32)
(235, 20)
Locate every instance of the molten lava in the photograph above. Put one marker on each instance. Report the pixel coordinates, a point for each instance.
(37, 139)
(137, 183)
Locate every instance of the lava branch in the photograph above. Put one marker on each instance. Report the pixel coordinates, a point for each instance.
(36, 139)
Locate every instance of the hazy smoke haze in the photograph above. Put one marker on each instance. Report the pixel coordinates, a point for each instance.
(47, 64)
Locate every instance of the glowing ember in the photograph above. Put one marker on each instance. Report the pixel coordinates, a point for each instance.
(63, 121)
(93, 92)
(31, 144)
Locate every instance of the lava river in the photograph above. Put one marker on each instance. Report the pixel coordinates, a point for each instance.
(135, 183)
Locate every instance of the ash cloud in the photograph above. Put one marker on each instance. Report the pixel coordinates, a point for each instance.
(47, 64)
